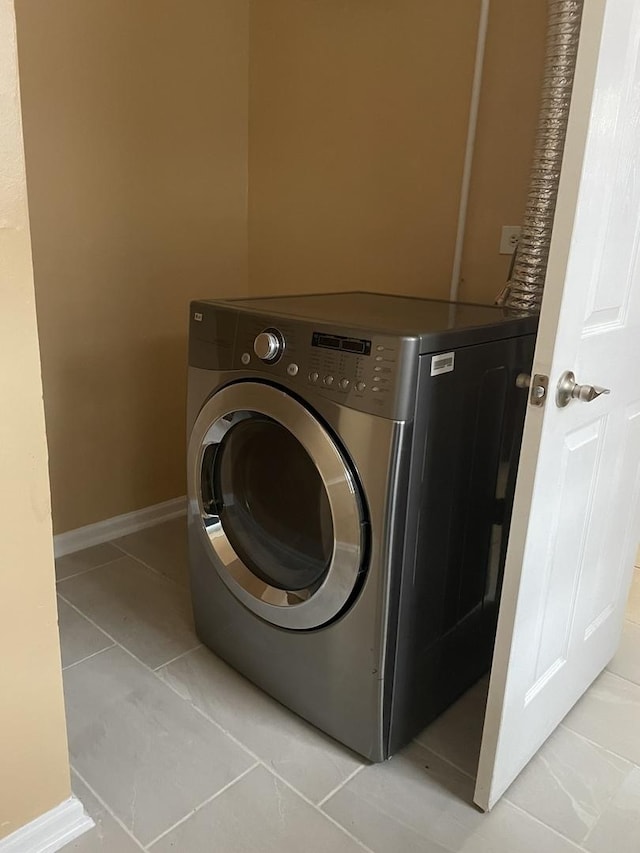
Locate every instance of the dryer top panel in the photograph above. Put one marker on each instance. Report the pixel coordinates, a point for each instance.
(435, 323)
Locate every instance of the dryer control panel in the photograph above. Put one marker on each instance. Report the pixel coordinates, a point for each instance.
(374, 373)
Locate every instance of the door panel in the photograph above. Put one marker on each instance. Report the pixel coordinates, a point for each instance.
(577, 513)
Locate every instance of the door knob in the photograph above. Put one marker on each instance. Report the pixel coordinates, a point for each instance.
(568, 390)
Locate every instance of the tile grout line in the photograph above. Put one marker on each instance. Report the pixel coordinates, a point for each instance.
(156, 573)
(339, 787)
(590, 829)
(113, 639)
(446, 760)
(267, 767)
(116, 644)
(600, 746)
(606, 804)
(622, 677)
(203, 804)
(148, 566)
(235, 740)
(274, 773)
(87, 657)
(313, 805)
(521, 808)
(86, 571)
(107, 809)
(177, 657)
(537, 820)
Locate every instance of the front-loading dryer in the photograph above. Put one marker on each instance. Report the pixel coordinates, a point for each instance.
(351, 461)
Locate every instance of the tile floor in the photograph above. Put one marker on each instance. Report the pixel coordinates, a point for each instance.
(172, 750)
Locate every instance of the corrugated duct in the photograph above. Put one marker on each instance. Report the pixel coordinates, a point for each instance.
(523, 292)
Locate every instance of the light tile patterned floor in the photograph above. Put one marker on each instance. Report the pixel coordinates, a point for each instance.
(174, 751)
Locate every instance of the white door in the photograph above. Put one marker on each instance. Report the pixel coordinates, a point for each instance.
(576, 518)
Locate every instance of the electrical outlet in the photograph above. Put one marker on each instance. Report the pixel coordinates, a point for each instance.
(509, 239)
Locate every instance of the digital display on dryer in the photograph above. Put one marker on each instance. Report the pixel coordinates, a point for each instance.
(354, 345)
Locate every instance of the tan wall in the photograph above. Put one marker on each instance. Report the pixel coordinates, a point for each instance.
(34, 774)
(359, 115)
(142, 123)
(135, 119)
(358, 122)
(507, 117)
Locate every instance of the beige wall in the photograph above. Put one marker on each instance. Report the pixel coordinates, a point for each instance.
(34, 774)
(507, 119)
(358, 121)
(135, 119)
(143, 122)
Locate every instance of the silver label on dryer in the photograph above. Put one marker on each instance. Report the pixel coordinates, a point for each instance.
(443, 363)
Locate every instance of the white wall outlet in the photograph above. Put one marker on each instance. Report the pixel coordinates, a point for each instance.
(509, 239)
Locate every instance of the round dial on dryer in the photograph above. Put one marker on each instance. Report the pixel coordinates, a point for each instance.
(269, 345)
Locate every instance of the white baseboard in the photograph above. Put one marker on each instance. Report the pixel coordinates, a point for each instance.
(119, 525)
(50, 831)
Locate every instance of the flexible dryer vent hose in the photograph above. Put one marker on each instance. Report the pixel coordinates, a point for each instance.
(523, 292)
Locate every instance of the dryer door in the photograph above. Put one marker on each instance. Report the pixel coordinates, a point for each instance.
(276, 504)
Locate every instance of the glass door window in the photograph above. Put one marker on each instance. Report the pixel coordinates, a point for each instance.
(272, 504)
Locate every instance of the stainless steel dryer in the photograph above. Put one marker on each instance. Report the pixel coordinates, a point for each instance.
(351, 464)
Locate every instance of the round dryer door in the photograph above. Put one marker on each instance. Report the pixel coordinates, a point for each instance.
(278, 506)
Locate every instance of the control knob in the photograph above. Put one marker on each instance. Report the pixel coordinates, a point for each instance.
(268, 345)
